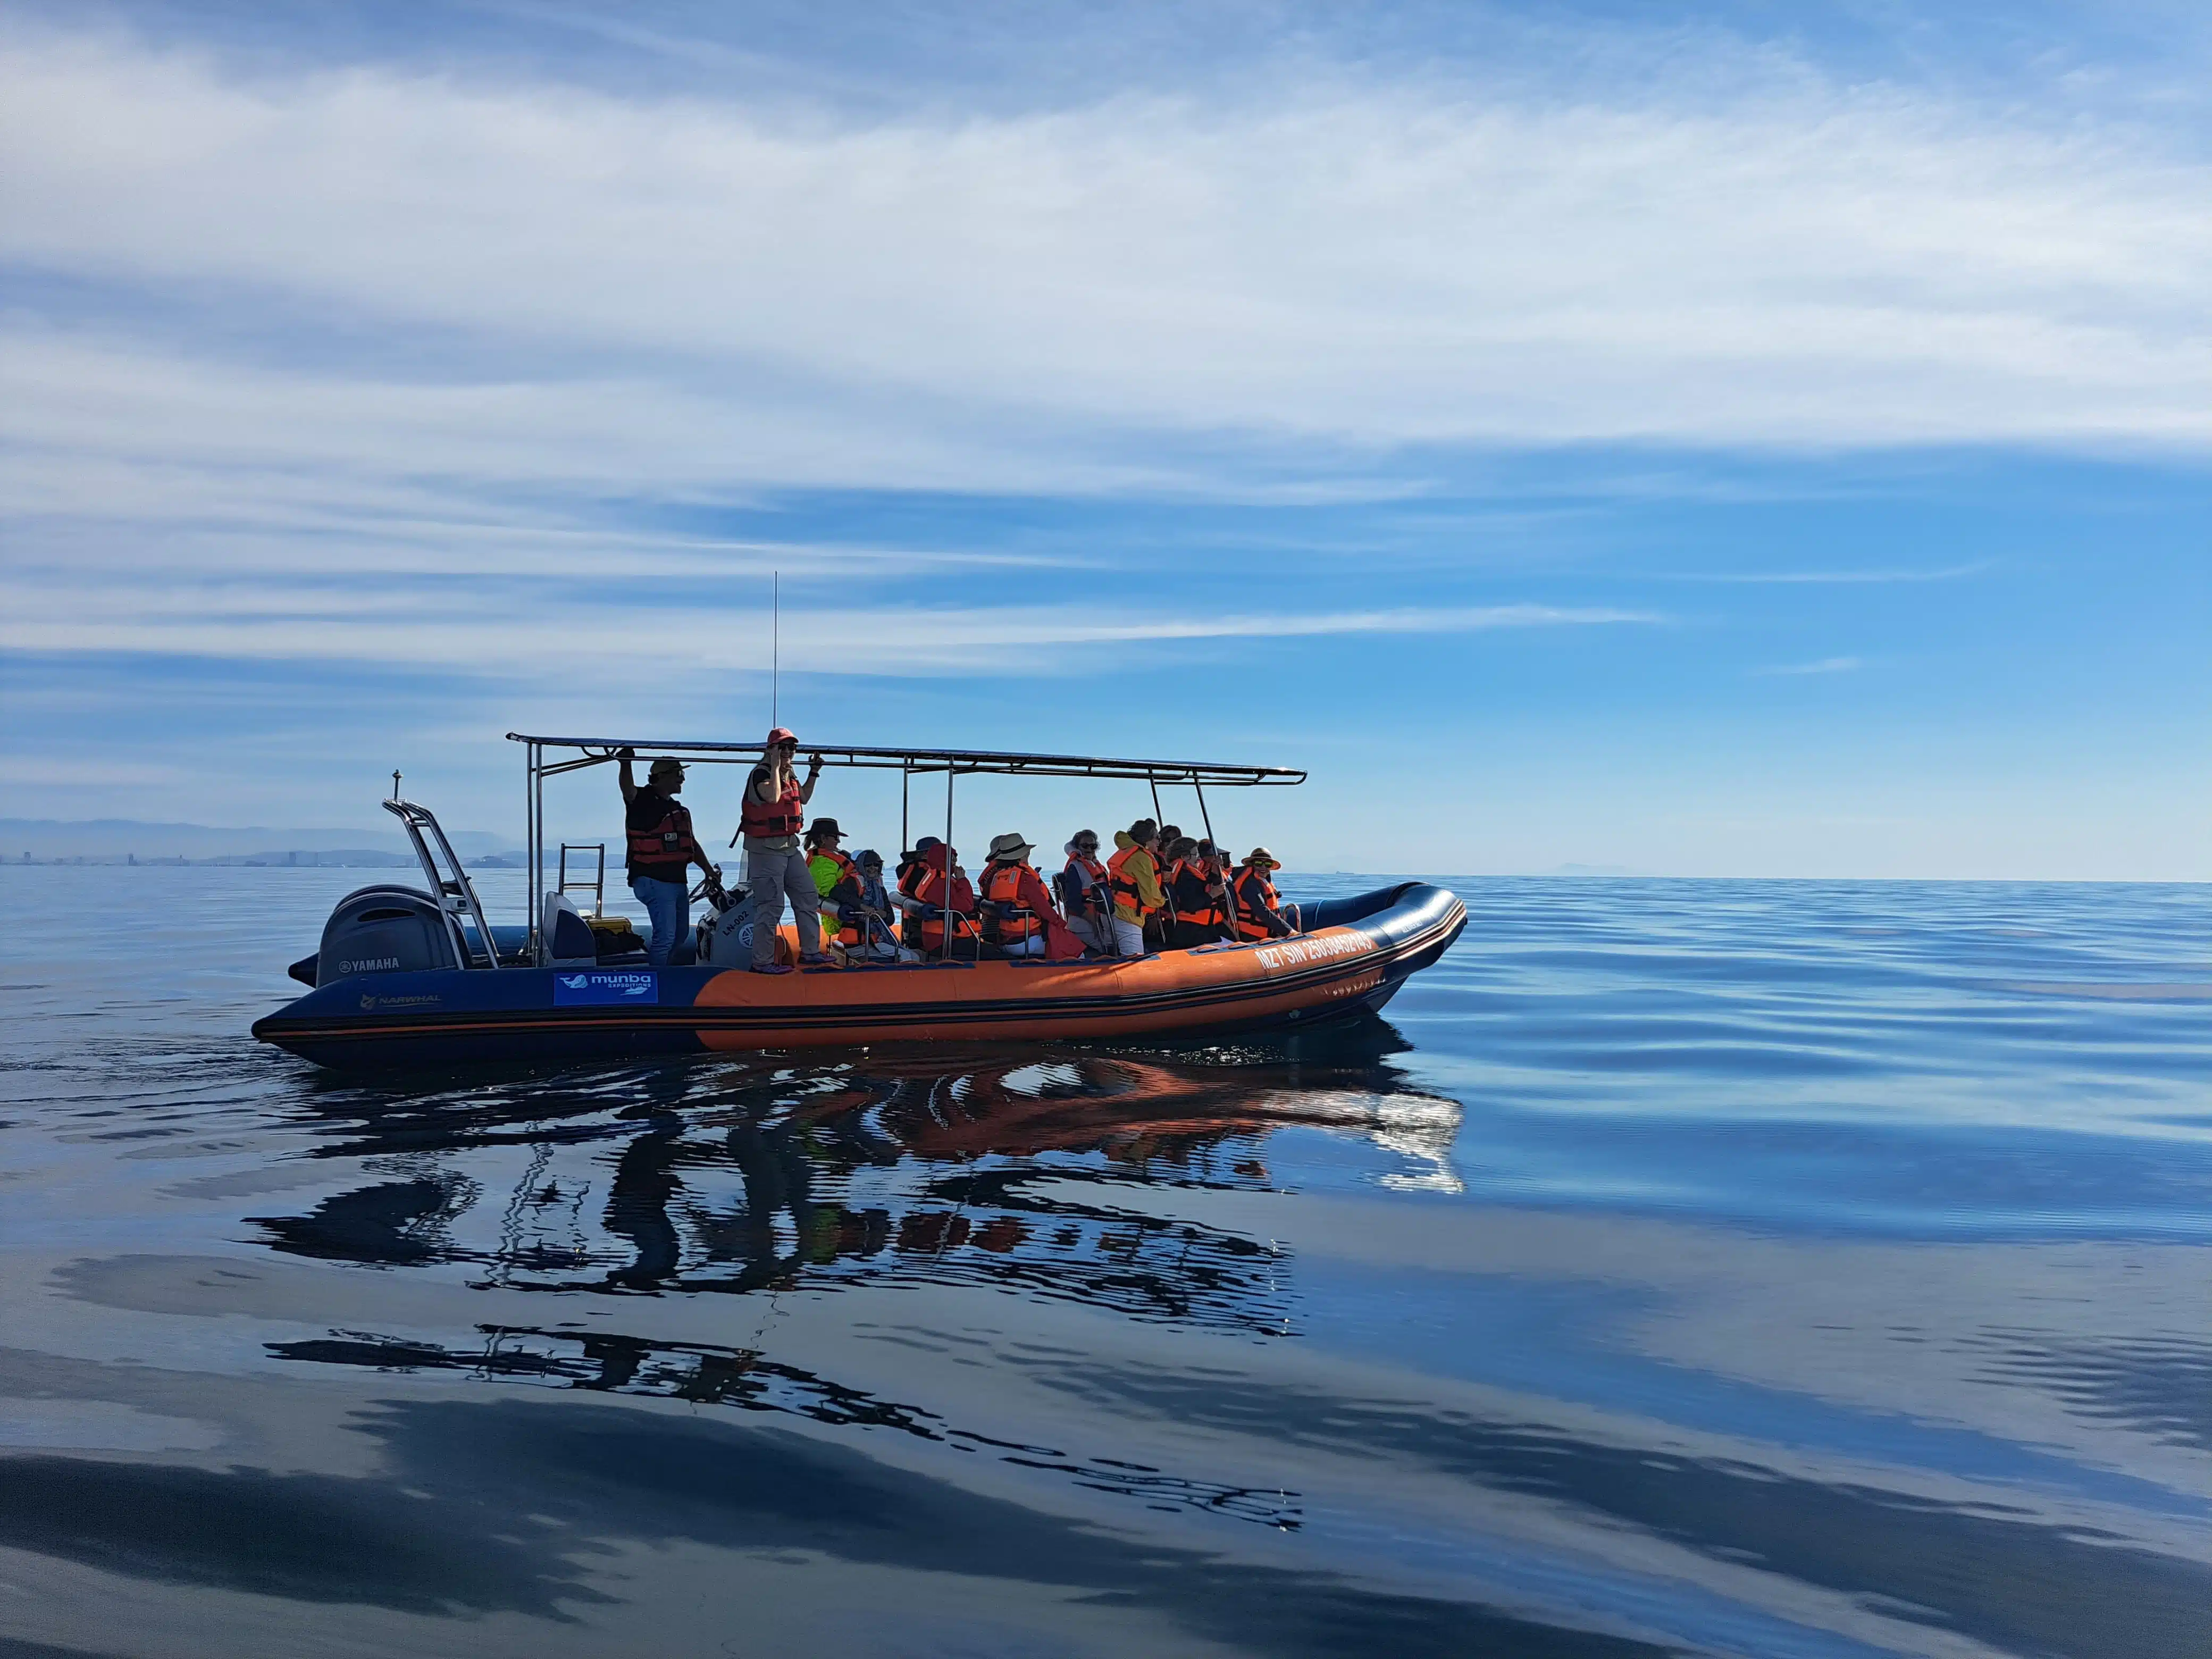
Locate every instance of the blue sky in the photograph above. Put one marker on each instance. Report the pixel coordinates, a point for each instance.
(1742, 441)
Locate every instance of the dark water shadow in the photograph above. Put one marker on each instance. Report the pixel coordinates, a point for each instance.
(2004, 1577)
(505, 1505)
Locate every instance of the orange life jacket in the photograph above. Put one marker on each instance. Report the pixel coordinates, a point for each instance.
(668, 841)
(762, 820)
(931, 890)
(1193, 902)
(1002, 886)
(1125, 887)
(1256, 895)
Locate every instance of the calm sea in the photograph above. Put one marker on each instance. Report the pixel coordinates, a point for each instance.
(1756, 1268)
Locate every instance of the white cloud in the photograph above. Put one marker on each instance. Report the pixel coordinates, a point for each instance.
(64, 772)
(1330, 258)
(487, 628)
(1943, 574)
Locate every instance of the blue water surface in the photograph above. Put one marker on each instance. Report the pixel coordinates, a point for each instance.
(1680, 1266)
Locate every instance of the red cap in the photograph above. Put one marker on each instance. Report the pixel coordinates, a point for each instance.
(782, 734)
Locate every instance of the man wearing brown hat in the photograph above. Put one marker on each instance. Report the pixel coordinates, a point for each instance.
(662, 850)
(1260, 912)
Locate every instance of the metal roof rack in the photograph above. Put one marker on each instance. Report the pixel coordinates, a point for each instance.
(598, 752)
(909, 763)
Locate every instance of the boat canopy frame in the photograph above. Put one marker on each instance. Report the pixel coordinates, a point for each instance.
(910, 762)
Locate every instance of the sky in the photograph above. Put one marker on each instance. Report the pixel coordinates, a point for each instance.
(1739, 440)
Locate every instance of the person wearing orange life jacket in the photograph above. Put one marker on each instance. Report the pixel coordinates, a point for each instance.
(946, 895)
(1260, 912)
(662, 849)
(1162, 925)
(1198, 895)
(1020, 915)
(775, 865)
(1085, 892)
(912, 868)
(1132, 876)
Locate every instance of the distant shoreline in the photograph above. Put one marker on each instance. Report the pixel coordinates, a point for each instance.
(339, 858)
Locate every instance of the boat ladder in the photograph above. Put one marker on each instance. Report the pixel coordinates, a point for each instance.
(596, 885)
(456, 894)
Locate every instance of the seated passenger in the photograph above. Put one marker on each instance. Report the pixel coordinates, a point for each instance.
(825, 862)
(1085, 892)
(911, 870)
(1260, 912)
(1132, 876)
(1198, 897)
(946, 896)
(1159, 927)
(865, 911)
(1018, 914)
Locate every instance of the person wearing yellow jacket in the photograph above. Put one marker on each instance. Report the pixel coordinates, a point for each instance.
(1133, 873)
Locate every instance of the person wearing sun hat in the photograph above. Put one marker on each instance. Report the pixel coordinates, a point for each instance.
(1021, 919)
(662, 849)
(1260, 908)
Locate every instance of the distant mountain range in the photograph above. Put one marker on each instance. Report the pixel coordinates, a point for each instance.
(118, 841)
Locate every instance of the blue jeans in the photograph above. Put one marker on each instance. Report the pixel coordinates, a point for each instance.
(669, 904)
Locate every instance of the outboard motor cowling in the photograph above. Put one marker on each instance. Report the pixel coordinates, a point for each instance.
(384, 930)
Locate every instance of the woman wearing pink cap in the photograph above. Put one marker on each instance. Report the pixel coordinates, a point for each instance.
(774, 812)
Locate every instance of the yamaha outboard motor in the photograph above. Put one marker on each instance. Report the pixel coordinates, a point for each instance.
(384, 930)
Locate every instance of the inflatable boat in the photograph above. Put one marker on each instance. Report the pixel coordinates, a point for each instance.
(408, 977)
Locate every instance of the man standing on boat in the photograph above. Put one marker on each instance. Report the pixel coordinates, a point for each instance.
(775, 865)
(662, 850)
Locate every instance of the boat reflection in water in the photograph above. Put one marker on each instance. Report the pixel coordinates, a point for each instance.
(929, 1172)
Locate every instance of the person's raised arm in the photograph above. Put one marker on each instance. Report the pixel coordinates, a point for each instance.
(813, 771)
(628, 783)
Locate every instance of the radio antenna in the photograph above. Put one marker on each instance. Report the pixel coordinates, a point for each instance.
(775, 647)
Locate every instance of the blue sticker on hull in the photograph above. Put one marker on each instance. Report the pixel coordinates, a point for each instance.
(599, 989)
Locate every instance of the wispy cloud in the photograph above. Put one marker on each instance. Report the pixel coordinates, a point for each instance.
(482, 628)
(1944, 573)
(1825, 666)
(66, 772)
(1331, 256)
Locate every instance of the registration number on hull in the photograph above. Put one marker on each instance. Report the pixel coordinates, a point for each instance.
(1295, 951)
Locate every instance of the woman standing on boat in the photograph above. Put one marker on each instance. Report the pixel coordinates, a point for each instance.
(776, 865)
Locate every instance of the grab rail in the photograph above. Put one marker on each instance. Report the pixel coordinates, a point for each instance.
(455, 894)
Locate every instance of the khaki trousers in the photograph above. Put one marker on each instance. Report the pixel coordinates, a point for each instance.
(771, 877)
